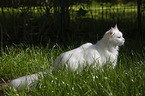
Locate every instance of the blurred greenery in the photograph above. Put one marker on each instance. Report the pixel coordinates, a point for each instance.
(85, 22)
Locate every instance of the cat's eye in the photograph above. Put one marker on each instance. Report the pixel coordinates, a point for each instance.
(118, 37)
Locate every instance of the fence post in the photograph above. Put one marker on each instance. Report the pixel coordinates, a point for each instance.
(102, 11)
(139, 17)
(63, 22)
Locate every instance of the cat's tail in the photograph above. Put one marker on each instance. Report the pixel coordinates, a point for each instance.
(27, 81)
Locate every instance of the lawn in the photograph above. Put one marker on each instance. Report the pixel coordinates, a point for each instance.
(126, 79)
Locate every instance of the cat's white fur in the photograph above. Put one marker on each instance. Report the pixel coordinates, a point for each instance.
(105, 51)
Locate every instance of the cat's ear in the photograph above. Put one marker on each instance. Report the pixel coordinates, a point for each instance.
(110, 33)
(116, 27)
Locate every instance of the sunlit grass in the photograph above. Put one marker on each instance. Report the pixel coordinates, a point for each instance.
(126, 79)
(93, 9)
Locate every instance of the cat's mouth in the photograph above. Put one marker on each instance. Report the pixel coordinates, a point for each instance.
(122, 43)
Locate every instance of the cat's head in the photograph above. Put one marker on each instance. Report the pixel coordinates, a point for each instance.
(114, 36)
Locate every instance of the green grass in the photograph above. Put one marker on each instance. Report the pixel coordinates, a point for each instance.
(127, 79)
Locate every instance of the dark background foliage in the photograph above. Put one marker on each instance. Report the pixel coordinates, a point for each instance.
(69, 21)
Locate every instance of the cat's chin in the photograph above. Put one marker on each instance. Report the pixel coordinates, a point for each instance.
(121, 44)
(117, 43)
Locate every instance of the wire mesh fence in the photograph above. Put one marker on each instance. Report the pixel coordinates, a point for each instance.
(68, 20)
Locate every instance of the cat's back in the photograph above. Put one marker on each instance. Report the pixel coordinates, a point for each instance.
(85, 46)
(72, 55)
(78, 50)
(92, 51)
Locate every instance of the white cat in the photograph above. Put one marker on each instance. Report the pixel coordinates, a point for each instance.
(103, 52)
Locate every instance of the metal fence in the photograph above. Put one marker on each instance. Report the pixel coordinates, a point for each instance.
(69, 21)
